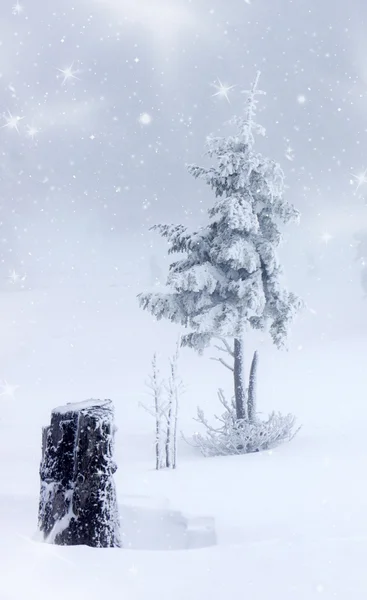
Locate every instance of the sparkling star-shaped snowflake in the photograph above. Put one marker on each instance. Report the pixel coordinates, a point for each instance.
(32, 131)
(7, 389)
(222, 89)
(12, 121)
(326, 237)
(15, 277)
(361, 179)
(17, 9)
(68, 73)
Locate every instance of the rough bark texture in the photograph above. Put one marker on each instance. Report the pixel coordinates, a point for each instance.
(251, 400)
(239, 385)
(78, 499)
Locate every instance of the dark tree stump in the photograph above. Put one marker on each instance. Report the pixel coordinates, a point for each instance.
(78, 498)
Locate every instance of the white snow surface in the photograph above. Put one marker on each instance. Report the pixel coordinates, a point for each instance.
(288, 524)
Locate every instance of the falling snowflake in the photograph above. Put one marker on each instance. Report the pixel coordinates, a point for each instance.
(361, 179)
(7, 389)
(12, 121)
(15, 277)
(17, 9)
(222, 89)
(68, 73)
(326, 237)
(289, 153)
(145, 119)
(146, 204)
(32, 131)
(301, 99)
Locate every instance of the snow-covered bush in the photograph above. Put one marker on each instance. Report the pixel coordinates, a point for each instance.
(234, 436)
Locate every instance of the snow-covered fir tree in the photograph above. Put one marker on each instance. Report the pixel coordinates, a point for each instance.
(230, 278)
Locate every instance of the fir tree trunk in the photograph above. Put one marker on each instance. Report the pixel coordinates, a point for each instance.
(251, 400)
(239, 379)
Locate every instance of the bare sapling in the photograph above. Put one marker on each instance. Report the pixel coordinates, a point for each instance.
(156, 385)
(174, 388)
(166, 395)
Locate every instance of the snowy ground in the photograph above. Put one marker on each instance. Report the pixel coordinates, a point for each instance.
(290, 524)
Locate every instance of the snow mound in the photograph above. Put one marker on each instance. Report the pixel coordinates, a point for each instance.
(147, 527)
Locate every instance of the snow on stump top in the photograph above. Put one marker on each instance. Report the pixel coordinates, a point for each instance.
(82, 406)
(78, 498)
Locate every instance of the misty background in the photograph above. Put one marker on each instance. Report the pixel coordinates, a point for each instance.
(103, 103)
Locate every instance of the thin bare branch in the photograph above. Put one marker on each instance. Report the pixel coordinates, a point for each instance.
(227, 347)
(149, 410)
(223, 362)
(223, 401)
(220, 348)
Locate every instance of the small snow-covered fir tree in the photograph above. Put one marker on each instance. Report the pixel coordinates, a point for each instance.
(230, 279)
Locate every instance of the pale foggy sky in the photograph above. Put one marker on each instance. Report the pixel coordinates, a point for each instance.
(79, 196)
